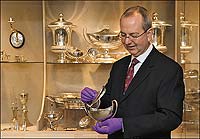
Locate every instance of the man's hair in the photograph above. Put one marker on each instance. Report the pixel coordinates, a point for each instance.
(147, 23)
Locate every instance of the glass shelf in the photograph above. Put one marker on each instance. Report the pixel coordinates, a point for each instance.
(191, 63)
(27, 62)
(76, 63)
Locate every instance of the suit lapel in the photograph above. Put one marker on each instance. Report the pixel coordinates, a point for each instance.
(141, 75)
(122, 76)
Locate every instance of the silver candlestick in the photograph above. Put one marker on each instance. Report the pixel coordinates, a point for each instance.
(14, 119)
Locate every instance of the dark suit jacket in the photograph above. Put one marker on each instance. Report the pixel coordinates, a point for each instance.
(152, 106)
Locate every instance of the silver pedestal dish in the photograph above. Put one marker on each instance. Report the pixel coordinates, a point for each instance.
(104, 40)
(53, 117)
(67, 101)
(76, 55)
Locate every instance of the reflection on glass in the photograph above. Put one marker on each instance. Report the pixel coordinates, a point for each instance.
(156, 36)
(185, 37)
(60, 36)
(158, 28)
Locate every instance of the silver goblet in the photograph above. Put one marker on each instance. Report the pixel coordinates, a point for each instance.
(23, 100)
(52, 118)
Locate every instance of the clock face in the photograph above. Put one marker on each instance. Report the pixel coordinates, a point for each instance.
(17, 39)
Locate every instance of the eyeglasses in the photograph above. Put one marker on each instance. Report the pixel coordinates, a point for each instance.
(131, 35)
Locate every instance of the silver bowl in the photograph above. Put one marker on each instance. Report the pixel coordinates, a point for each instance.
(102, 114)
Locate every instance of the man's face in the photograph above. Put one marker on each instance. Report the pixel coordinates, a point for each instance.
(132, 26)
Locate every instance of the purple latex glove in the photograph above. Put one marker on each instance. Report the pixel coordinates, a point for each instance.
(108, 126)
(88, 95)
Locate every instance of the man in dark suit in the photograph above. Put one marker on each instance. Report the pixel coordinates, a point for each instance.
(150, 99)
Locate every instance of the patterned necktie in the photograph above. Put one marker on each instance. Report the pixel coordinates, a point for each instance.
(130, 73)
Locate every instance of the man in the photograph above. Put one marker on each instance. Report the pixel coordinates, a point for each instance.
(150, 105)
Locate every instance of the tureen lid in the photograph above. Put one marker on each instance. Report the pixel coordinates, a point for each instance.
(156, 22)
(60, 22)
(184, 22)
(106, 32)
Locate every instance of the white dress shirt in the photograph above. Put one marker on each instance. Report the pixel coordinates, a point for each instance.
(141, 58)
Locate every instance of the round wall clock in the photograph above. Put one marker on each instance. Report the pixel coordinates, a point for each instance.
(17, 39)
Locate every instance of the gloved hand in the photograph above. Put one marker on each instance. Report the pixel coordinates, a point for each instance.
(88, 95)
(108, 126)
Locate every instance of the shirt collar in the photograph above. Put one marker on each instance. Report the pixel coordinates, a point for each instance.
(141, 58)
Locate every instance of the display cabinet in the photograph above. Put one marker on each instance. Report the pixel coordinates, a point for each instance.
(35, 67)
(21, 61)
(187, 54)
(69, 74)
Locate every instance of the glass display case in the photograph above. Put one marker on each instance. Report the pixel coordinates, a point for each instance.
(35, 69)
(188, 57)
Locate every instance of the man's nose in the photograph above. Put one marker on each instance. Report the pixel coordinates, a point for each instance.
(127, 40)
